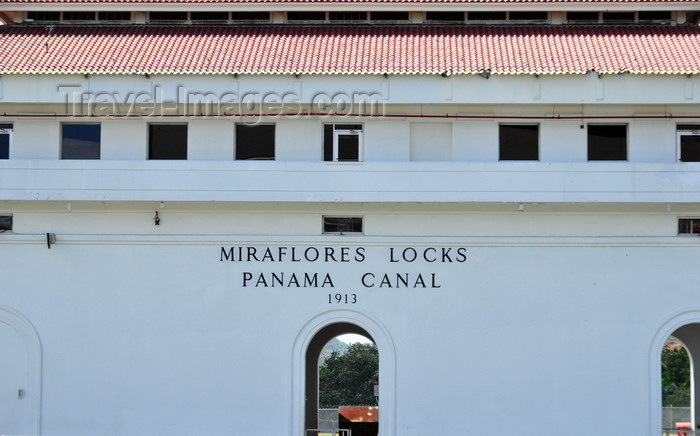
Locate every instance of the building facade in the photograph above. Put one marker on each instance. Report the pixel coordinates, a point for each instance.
(197, 196)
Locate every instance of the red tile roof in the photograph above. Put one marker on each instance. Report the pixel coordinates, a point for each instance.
(359, 413)
(349, 50)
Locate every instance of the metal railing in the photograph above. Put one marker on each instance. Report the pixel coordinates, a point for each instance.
(328, 432)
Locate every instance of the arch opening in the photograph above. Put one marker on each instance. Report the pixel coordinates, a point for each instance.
(312, 407)
(678, 385)
(315, 330)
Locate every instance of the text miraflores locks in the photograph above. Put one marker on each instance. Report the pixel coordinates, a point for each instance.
(341, 255)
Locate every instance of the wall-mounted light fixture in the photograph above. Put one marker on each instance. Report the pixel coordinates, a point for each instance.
(50, 239)
(156, 219)
(485, 73)
(446, 73)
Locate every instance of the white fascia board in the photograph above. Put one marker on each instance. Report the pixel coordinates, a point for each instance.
(422, 7)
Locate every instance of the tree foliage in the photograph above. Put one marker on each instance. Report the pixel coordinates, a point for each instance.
(348, 378)
(675, 377)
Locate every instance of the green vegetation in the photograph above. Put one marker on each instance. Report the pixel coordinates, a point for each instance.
(347, 378)
(675, 376)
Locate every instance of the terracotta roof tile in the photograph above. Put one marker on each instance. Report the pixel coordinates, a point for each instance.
(349, 50)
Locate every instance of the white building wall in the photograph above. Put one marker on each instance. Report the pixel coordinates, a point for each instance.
(123, 139)
(387, 141)
(431, 141)
(298, 140)
(563, 141)
(652, 141)
(36, 139)
(475, 141)
(210, 140)
(532, 334)
(548, 326)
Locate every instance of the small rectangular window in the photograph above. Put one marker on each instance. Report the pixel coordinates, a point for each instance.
(689, 226)
(518, 141)
(689, 143)
(306, 16)
(5, 223)
(250, 16)
(342, 224)
(209, 16)
(654, 16)
(168, 16)
(347, 16)
(80, 141)
(582, 17)
(528, 16)
(44, 16)
(78, 16)
(342, 142)
(607, 142)
(5, 140)
(389, 16)
(486, 16)
(114, 16)
(167, 141)
(255, 142)
(618, 17)
(445, 16)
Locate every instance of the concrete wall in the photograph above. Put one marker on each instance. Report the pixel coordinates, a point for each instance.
(154, 334)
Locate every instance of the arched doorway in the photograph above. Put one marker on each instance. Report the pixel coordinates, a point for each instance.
(307, 348)
(689, 338)
(20, 375)
(313, 352)
(685, 330)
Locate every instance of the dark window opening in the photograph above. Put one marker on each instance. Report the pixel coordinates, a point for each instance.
(389, 16)
(518, 142)
(529, 16)
(444, 16)
(80, 141)
(342, 142)
(626, 17)
(654, 16)
(167, 141)
(44, 16)
(582, 16)
(689, 226)
(5, 140)
(486, 16)
(5, 223)
(168, 16)
(342, 224)
(255, 142)
(347, 16)
(78, 16)
(209, 16)
(306, 16)
(250, 16)
(689, 143)
(607, 142)
(114, 16)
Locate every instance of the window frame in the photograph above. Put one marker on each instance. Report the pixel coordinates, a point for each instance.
(500, 144)
(359, 133)
(691, 224)
(627, 142)
(99, 142)
(341, 232)
(274, 141)
(7, 129)
(680, 132)
(149, 138)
